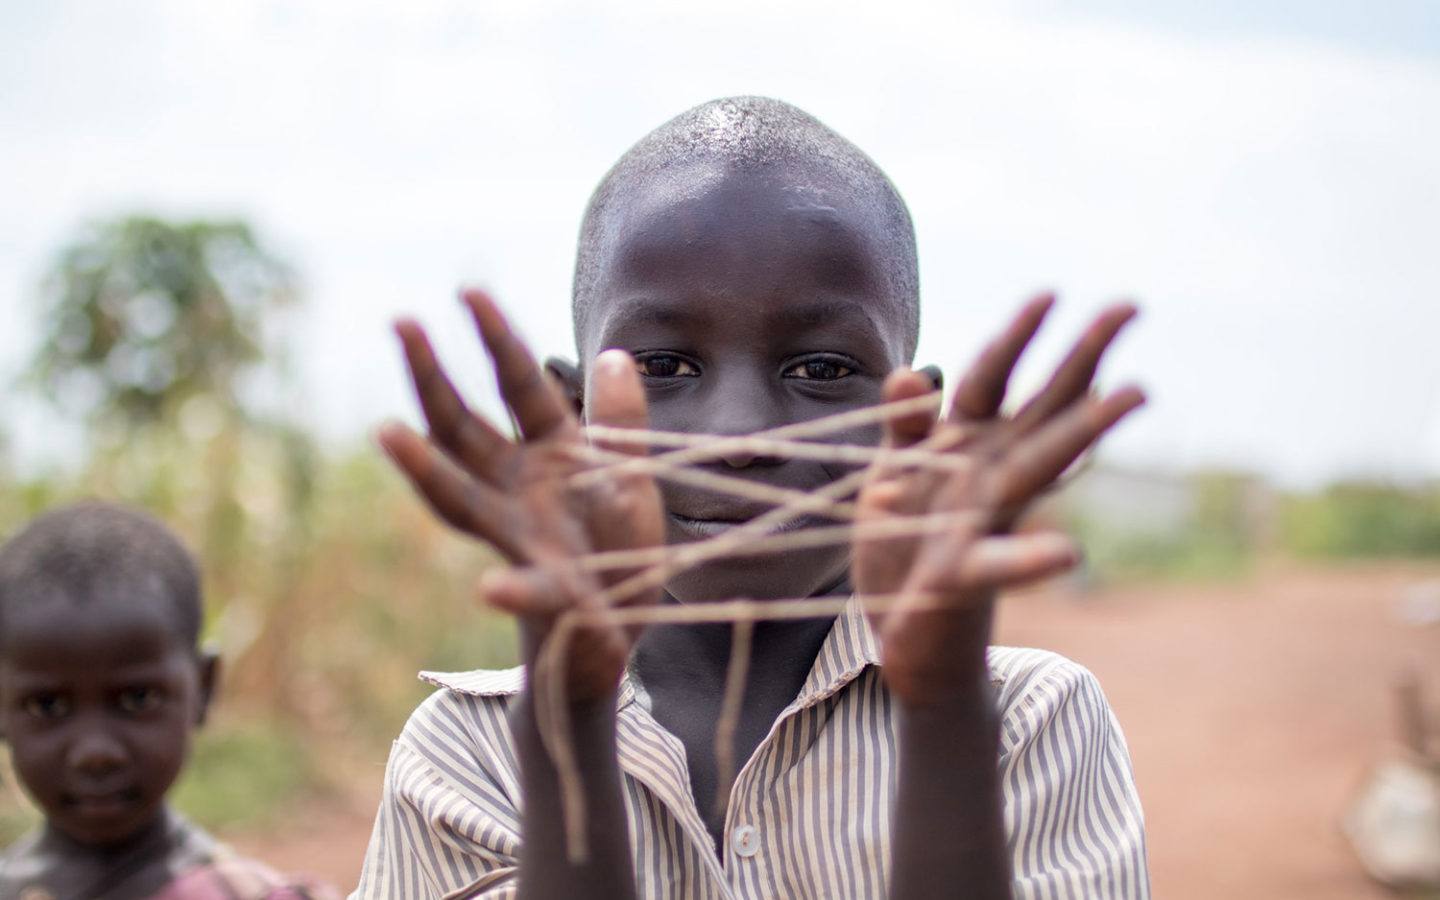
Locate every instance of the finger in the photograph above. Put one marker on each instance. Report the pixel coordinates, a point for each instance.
(982, 389)
(912, 428)
(1008, 560)
(1073, 376)
(540, 410)
(1037, 459)
(463, 503)
(525, 592)
(886, 491)
(617, 399)
(469, 439)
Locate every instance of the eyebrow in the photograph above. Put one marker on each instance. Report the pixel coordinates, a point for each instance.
(826, 311)
(655, 310)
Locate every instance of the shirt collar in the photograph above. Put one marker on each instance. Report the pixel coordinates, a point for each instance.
(848, 649)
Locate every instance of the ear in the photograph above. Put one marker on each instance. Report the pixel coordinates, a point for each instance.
(936, 376)
(208, 662)
(571, 379)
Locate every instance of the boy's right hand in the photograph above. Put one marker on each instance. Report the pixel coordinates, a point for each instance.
(517, 495)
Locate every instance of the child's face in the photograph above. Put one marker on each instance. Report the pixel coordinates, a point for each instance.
(754, 301)
(97, 701)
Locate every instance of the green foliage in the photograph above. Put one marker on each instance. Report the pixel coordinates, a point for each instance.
(17, 814)
(1192, 553)
(142, 315)
(243, 775)
(1361, 519)
(1233, 519)
(1219, 537)
(327, 585)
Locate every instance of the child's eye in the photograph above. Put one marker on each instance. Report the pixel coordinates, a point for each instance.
(47, 706)
(819, 370)
(139, 700)
(665, 365)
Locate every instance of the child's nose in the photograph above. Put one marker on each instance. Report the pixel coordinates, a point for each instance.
(96, 752)
(744, 458)
(744, 413)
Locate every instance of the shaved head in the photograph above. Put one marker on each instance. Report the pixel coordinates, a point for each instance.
(701, 147)
(94, 551)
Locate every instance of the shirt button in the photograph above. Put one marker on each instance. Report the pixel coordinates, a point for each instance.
(745, 841)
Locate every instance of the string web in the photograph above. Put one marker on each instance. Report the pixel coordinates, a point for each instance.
(656, 565)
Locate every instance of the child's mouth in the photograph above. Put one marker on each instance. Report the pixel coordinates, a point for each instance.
(101, 805)
(702, 528)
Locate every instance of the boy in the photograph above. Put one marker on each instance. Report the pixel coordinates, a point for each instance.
(741, 268)
(101, 684)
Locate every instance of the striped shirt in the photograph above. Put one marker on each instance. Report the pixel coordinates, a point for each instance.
(810, 812)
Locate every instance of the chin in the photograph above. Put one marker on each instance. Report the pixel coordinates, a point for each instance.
(791, 575)
(102, 826)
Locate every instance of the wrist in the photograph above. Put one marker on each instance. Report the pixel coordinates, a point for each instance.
(962, 694)
(590, 721)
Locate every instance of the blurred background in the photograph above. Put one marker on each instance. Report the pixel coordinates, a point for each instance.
(212, 212)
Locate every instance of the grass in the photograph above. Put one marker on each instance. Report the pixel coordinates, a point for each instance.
(243, 775)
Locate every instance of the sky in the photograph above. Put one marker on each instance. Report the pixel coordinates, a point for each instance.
(1260, 177)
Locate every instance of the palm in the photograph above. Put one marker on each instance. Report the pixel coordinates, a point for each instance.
(947, 577)
(521, 496)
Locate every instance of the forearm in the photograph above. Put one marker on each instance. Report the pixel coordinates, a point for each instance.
(949, 835)
(545, 873)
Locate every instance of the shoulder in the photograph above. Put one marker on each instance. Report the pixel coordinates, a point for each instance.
(230, 876)
(469, 709)
(461, 730)
(1035, 688)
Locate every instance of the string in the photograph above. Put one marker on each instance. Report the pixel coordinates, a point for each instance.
(786, 527)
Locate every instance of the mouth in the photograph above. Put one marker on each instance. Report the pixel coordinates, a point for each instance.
(102, 804)
(714, 525)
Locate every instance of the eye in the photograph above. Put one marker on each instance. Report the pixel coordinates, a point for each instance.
(665, 365)
(46, 706)
(819, 369)
(138, 700)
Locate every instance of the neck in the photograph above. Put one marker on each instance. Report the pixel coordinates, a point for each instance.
(152, 836)
(781, 651)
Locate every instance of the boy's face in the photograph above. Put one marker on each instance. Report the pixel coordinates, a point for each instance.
(97, 700)
(750, 300)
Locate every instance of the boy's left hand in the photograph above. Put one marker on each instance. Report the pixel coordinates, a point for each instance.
(934, 639)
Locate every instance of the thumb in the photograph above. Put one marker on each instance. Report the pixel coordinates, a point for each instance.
(617, 399)
(907, 430)
(1005, 560)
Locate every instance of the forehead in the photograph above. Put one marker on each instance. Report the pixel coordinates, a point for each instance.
(60, 634)
(740, 243)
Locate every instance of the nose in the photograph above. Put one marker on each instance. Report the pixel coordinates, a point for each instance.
(95, 752)
(738, 407)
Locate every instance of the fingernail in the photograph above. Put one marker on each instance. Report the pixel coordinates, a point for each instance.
(613, 362)
(491, 579)
(385, 435)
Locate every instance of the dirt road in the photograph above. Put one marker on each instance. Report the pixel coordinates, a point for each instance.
(1253, 711)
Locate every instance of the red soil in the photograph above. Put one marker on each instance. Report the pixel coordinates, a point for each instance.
(1253, 712)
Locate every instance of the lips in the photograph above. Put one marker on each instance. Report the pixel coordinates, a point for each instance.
(102, 804)
(702, 527)
(699, 514)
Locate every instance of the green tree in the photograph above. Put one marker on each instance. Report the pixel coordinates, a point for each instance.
(152, 331)
(142, 315)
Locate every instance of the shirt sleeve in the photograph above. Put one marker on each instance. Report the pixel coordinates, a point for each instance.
(1072, 815)
(448, 824)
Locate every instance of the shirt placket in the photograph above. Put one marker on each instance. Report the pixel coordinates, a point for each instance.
(751, 840)
(665, 776)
